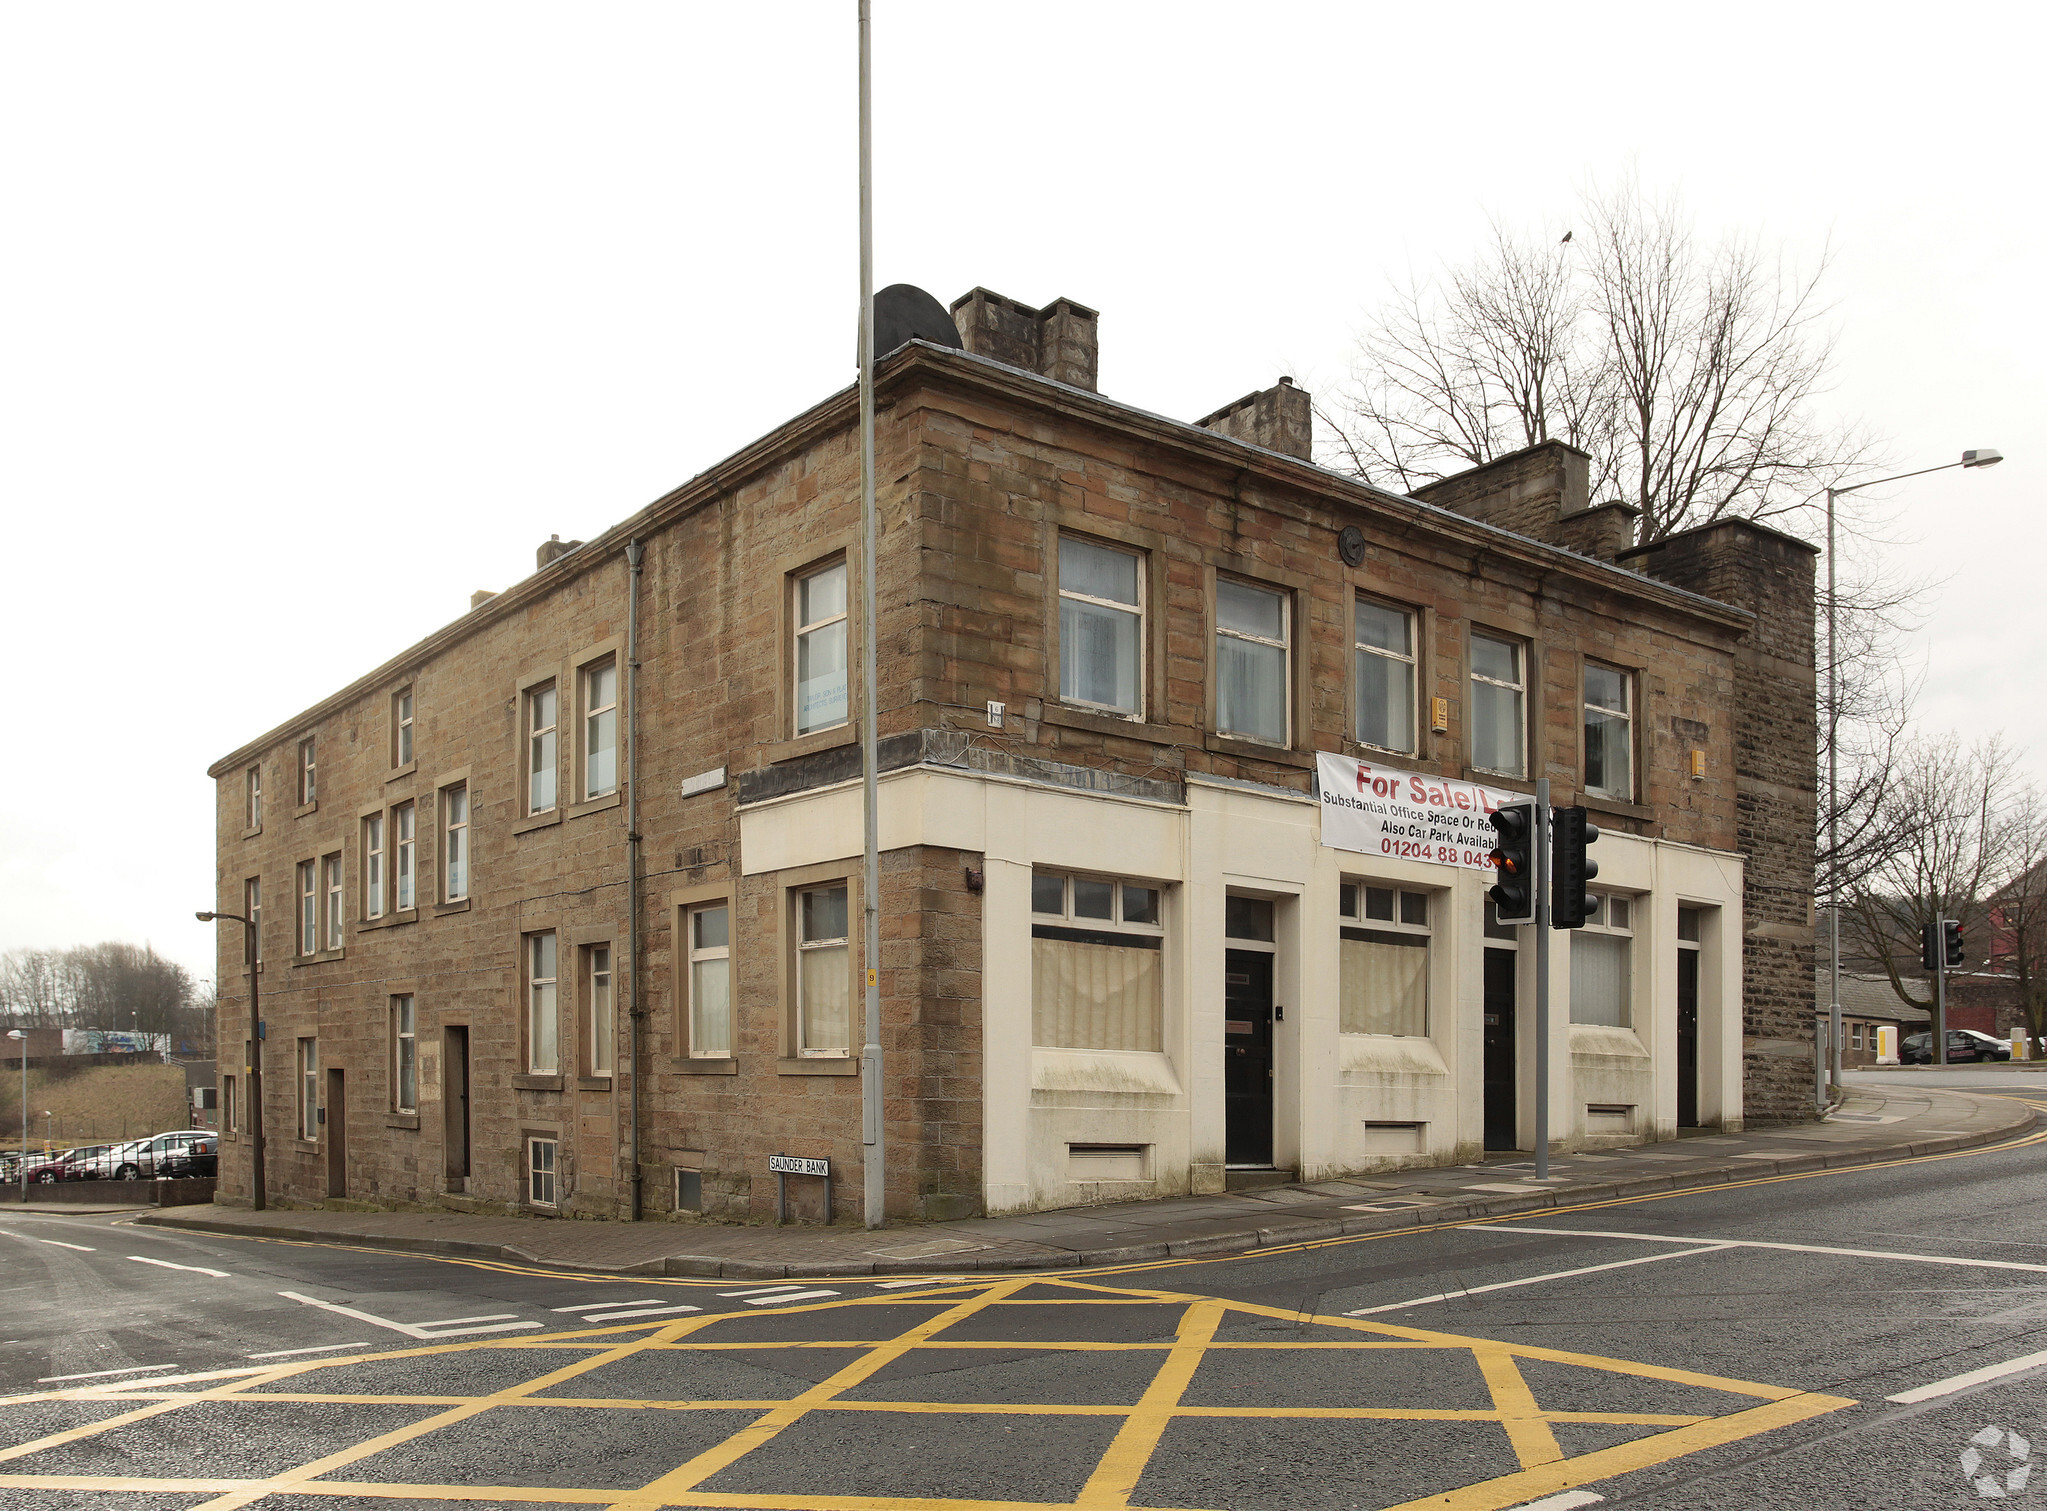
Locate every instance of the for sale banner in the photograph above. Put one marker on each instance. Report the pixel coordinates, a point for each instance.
(1376, 810)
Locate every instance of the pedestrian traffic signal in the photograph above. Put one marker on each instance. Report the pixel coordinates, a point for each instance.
(1952, 940)
(1569, 903)
(1513, 857)
(1929, 946)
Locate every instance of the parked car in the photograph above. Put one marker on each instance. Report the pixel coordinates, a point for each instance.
(1964, 1047)
(166, 1156)
(47, 1170)
(88, 1162)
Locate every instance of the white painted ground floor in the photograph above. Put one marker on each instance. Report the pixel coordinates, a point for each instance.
(1174, 989)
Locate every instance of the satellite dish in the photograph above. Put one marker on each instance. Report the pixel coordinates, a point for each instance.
(904, 312)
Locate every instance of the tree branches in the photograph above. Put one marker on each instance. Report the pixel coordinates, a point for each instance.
(110, 986)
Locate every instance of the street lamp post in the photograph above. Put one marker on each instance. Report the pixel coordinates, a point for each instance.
(1983, 457)
(252, 1073)
(15, 1033)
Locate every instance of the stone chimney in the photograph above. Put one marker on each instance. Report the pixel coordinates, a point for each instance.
(553, 549)
(1529, 492)
(479, 598)
(1056, 342)
(1280, 418)
(1605, 530)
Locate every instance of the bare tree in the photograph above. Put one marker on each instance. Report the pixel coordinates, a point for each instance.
(2018, 916)
(1954, 811)
(111, 986)
(1691, 375)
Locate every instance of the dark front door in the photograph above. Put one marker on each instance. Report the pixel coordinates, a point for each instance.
(337, 1133)
(455, 1100)
(1687, 1038)
(1247, 1057)
(1501, 1129)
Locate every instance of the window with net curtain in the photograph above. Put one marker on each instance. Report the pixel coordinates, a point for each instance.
(1096, 964)
(1250, 661)
(1497, 692)
(824, 984)
(1383, 961)
(1101, 627)
(1609, 754)
(1384, 648)
(1602, 965)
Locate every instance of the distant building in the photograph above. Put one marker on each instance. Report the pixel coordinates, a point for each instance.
(1119, 956)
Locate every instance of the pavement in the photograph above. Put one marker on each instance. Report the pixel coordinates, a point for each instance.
(1872, 1124)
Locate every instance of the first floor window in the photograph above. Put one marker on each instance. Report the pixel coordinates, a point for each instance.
(540, 1155)
(1101, 626)
(823, 973)
(331, 883)
(602, 1008)
(309, 908)
(542, 1024)
(252, 909)
(1384, 649)
(228, 1123)
(821, 649)
(1097, 949)
(1250, 661)
(1602, 963)
(710, 981)
(404, 1055)
(600, 729)
(455, 844)
(1498, 687)
(309, 1088)
(1383, 985)
(1609, 728)
(542, 762)
(308, 772)
(403, 849)
(373, 866)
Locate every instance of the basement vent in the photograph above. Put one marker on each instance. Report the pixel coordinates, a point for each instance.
(1097, 1162)
(689, 1191)
(1395, 1138)
(1609, 1117)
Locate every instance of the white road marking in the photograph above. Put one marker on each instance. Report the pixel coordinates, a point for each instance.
(1508, 1285)
(645, 1311)
(598, 1306)
(792, 1296)
(196, 1269)
(443, 1329)
(762, 1291)
(1954, 1383)
(1568, 1500)
(1756, 1243)
(60, 1243)
(286, 1353)
(101, 1374)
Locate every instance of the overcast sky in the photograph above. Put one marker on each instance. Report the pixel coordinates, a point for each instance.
(319, 317)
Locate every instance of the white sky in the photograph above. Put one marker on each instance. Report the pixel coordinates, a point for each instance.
(319, 316)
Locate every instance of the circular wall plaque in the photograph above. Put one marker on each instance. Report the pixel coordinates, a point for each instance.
(1350, 545)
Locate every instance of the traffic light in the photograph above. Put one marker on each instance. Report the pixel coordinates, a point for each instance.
(1569, 903)
(1951, 937)
(1929, 946)
(1513, 857)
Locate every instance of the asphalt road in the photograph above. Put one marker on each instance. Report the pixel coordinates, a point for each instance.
(1746, 1346)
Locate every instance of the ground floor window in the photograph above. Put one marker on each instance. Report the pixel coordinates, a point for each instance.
(1383, 960)
(309, 1088)
(540, 1188)
(1097, 951)
(1602, 963)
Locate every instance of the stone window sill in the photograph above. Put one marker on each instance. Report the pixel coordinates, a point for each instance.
(306, 1145)
(389, 920)
(603, 804)
(593, 1083)
(537, 821)
(402, 1120)
(252, 833)
(819, 1066)
(443, 909)
(1257, 750)
(702, 1065)
(401, 771)
(1108, 724)
(325, 957)
(810, 744)
(536, 1083)
(1615, 807)
(305, 808)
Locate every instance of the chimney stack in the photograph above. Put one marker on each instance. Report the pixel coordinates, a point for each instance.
(553, 549)
(1057, 342)
(1280, 418)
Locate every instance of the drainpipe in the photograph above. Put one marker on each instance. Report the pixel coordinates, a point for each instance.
(633, 553)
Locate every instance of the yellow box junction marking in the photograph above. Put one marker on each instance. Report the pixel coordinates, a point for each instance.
(1515, 1414)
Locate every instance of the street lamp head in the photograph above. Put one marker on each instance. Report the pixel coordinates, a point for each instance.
(1985, 456)
(209, 917)
(15, 1033)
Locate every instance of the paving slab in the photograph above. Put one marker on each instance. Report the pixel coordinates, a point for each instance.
(1875, 1124)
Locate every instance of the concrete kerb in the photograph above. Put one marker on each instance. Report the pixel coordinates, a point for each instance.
(2019, 1118)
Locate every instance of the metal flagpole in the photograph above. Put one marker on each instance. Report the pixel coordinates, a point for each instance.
(870, 863)
(1543, 881)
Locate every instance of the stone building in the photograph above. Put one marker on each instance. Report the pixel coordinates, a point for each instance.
(559, 909)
